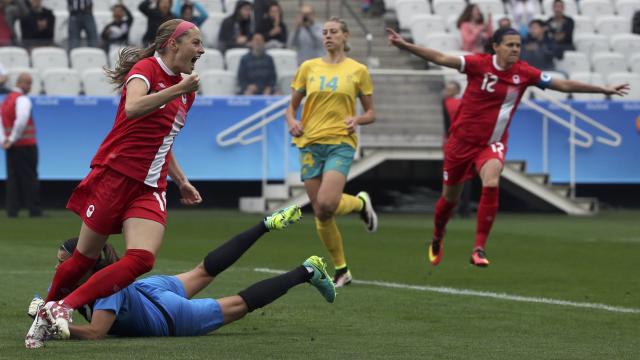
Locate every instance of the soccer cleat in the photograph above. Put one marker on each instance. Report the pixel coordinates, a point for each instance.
(435, 250)
(34, 306)
(282, 218)
(342, 279)
(320, 278)
(479, 258)
(40, 329)
(367, 214)
(59, 317)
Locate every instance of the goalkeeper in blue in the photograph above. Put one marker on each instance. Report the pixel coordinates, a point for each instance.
(163, 305)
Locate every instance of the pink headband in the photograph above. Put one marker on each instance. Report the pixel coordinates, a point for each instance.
(182, 28)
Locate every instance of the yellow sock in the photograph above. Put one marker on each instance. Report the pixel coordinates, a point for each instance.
(348, 204)
(330, 236)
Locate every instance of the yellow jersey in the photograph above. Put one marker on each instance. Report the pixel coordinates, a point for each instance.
(331, 91)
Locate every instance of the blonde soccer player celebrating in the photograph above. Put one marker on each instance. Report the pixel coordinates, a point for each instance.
(326, 136)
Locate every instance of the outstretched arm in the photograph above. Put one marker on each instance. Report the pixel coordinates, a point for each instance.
(572, 86)
(101, 322)
(431, 55)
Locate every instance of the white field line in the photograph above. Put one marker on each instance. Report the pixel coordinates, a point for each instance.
(484, 294)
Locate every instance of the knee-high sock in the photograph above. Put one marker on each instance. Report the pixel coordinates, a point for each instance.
(487, 211)
(443, 212)
(68, 274)
(112, 278)
(332, 239)
(348, 204)
(266, 291)
(228, 253)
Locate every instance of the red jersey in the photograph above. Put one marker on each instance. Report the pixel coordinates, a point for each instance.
(9, 114)
(139, 148)
(491, 98)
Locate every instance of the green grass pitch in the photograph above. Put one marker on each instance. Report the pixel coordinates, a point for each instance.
(590, 260)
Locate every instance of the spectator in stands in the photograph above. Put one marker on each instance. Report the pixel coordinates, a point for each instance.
(157, 12)
(537, 48)
(257, 71)
(236, 30)
(191, 11)
(635, 23)
(307, 35)
(273, 28)
(560, 29)
(504, 23)
(474, 30)
(19, 142)
(37, 25)
(10, 12)
(81, 18)
(117, 31)
(260, 11)
(523, 12)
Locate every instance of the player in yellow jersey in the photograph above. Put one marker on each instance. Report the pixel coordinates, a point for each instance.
(326, 136)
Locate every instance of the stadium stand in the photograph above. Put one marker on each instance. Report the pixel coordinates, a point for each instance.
(583, 25)
(608, 62)
(218, 82)
(232, 58)
(634, 62)
(285, 60)
(49, 57)
(591, 43)
(626, 44)
(447, 8)
(490, 7)
(95, 83)
(633, 79)
(84, 58)
(61, 81)
(589, 78)
(36, 85)
(406, 9)
(14, 57)
(570, 7)
(212, 59)
(595, 8)
(425, 24)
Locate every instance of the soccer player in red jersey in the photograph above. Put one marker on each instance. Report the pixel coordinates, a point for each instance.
(478, 137)
(125, 189)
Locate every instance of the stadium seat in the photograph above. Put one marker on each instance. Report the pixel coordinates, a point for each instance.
(61, 82)
(210, 29)
(14, 57)
(49, 57)
(114, 54)
(626, 8)
(490, 7)
(212, 59)
(589, 78)
(232, 58)
(595, 8)
(138, 28)
(407, 9)
(452, 25)
(591, 43)
(284, 82)
(610, 25)
(102, 18)
(583, 25)
(102, 5)
(558, 95)
(634, 62)
(448, 8)
(424, 24)
(36, 84)
(625, 43)
(55, 4)
(573, 61)
(132, 4)
(218, 83)
(570, 7)
(626, 77)
(84, 58)
(608, 62)
(95, 83)
(61, 29)
(441, 41)
(285, 60)
(390, 5)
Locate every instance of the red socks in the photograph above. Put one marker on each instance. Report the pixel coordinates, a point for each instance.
(68, 274)
(487, 210)
(444, 209)
(112, 278)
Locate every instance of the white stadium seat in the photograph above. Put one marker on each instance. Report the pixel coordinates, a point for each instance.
(608, 62)
(583, 25)
(61, 29)
(589, 78)
(84, 58)
(390, 5)
(625, 43)
(634, 62)
(284, 82)
(610, 25)
(102, 5)
(452, 25)
(595, 8)
(95, 83)
(442, 41)
(212, 5)
(55, 4)
(490, 7)
(626, 8)
(138, 28)
(218, 83)
(629, 78)
(232, 58)
(131, 4)
(407, 9)
(49, 57)
(36, 84)
(447, 8)
(114, 54)
(14, 57)
(573, 61)
(212, 59)
(591, 43)
(61, 82)
(424, 24)
(210, 29)
(102, 18)
(558, 95)
(570, 7)
(285, 60)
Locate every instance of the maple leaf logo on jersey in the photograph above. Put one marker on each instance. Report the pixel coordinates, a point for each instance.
(516, 79)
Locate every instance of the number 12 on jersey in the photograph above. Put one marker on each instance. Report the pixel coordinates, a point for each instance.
(332, 84)
(489, 82)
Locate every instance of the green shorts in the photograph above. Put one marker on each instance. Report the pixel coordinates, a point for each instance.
(316, 159)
